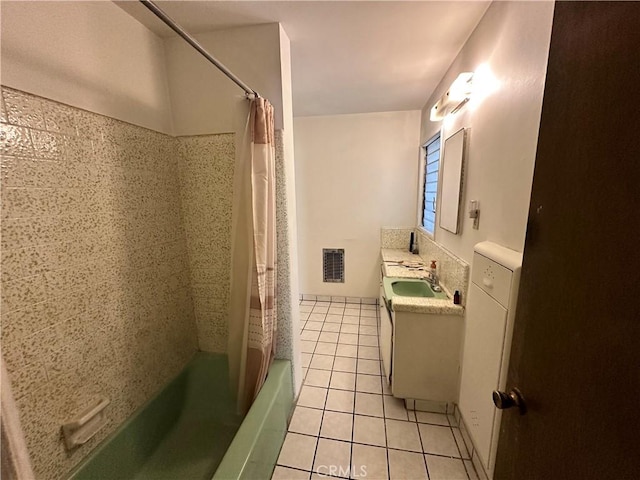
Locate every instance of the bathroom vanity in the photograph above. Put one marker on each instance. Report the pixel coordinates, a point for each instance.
(420, 336)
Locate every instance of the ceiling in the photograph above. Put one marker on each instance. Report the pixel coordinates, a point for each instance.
(346, 56)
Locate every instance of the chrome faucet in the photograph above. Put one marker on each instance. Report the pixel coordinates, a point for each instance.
(433, 280)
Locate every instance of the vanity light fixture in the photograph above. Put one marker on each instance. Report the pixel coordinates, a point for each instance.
(454, 99)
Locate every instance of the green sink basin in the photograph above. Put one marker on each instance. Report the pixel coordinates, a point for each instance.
(411, 288)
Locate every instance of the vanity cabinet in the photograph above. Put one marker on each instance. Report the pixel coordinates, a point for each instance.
(426, 356)
(420, 353)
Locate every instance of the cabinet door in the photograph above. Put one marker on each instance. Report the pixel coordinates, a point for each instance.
(483, 351)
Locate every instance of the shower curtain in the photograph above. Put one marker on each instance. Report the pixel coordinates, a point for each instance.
(252, 316)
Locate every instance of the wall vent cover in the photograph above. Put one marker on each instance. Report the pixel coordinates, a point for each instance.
(333, 265)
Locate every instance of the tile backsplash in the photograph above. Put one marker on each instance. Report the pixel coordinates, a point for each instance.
(453, 271)
(96, 293)
(395, 237)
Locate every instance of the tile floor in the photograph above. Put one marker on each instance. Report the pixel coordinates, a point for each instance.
(346, 424)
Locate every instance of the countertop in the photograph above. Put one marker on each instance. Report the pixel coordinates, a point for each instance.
(402, 264)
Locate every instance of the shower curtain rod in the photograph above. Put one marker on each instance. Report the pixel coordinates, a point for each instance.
(194, 43)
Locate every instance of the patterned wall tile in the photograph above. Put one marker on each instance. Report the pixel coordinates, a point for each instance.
(206, 191)
(96, 293)
(395, 238)
(288, 314)
(453, 271)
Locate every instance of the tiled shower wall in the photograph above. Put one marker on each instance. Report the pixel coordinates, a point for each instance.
(95, 276)
(206, 177)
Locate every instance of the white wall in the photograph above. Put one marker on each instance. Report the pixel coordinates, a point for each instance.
(354, 174)
(512, 39)
(90, 55)
(203, 99)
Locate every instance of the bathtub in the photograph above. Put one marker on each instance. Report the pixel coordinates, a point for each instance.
(190, 430)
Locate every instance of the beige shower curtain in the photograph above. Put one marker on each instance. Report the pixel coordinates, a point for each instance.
(252, 319)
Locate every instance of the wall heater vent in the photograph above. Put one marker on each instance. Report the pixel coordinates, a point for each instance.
(333, 265)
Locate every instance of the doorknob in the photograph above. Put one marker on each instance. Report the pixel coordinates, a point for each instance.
(514, 398)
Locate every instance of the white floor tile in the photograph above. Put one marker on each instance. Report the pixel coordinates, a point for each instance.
(297, 451)
(318, 378)
(461, 446)
(347, 351)
(369, 430)
(344, 364)
(310, 335)
(394, 408)
(438, 440)
(370, 353)
(369, 462)
(334, 318)
(452, 420)
(307, 346)
(432, 418)
(368, 340)
(368, 321)
(349, 328)
(306, 308)
(314, 325)
(442, 468)
(369, 404)
(351, 320)
(331, 327)
(340, 401)
(407, 466)
(370, 367)
(348, 339)
(368, 330)
(331, 337)
(337, 425)
(336, 310)
(332, 458)
(366, 312)
(307, 303)
(352, 312)
(324, 348)
(313, 397)
(403, 435)
(320, 308)
(371, 306)
(321, 362)
(343, 381)
(317, 317)
(284, 473)
(305, 359)
(470, 470)
(368, 383)
(306, 420)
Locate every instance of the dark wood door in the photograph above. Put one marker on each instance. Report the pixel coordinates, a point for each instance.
(576, 346)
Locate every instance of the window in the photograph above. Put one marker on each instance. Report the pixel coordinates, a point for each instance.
(430, 193)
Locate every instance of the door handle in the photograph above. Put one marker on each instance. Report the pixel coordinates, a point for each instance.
(514, 398)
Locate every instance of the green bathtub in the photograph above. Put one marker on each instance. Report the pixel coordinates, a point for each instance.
(190, 430)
